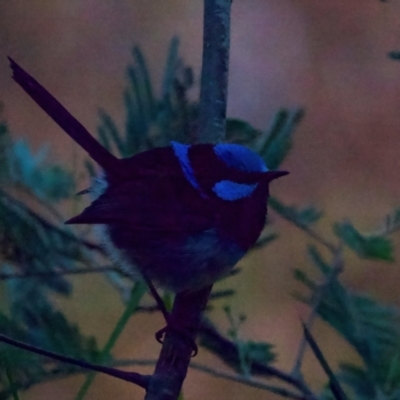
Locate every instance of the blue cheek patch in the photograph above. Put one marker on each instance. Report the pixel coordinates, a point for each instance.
(230, 191)
(182, 153)
(240, 157)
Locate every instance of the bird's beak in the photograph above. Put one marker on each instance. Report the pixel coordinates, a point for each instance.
(271, 175)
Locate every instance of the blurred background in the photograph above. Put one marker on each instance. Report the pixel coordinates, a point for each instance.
(328, 57)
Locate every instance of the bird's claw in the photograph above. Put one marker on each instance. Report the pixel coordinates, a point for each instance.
(159, 335)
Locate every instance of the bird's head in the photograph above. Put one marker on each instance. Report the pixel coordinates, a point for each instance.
(227, 172)
(233, 181)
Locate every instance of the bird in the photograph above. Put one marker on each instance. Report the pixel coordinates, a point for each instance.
(179, 216)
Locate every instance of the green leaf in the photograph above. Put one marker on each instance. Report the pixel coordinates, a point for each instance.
(235, 353)
(9, 373)
(108, 133)
(318, 260)
(103, 138)
(302, 217)
(259, 352)
(139, 289)
(132, 143)
(5, 140)
(135, 81)
(374, 246)
(394, 55)
(392, 222)
(264, 241)
(49, 182)
(240, 132)
(302, 277)
(170, 67)
(46, 326)
(149, 103)
(30, 242)
(358, 379)
(372, 328)
(90, 168)
(276, 143)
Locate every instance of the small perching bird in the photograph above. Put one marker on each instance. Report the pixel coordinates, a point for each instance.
(181, 216)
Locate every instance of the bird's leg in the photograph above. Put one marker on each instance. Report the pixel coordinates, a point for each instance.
(158, 299)
(172, 324)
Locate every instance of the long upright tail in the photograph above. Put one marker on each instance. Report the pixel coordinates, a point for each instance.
(64, 119)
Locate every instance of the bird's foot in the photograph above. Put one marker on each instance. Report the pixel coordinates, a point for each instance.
(181, 330)
(184, 331)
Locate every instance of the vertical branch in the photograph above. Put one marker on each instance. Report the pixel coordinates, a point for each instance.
(214, 74)
(172, 365)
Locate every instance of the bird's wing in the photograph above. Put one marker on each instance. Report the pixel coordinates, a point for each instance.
(160, 201)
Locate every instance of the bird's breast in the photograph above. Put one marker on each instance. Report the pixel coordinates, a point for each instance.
(174, 263)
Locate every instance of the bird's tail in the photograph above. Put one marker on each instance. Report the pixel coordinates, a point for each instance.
(64, 119)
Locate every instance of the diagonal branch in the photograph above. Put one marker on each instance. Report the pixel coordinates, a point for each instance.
(337, 269)
(133, 377)
(227, 351)
(249, 381)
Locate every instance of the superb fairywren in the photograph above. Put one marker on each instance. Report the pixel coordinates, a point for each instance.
(182, 215)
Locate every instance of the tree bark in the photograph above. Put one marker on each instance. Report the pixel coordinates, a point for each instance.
(172, 365)
(214, 74)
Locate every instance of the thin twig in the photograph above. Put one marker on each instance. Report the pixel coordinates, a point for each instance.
(337, 268)
(305, 228)
(334, 384)
(226, 348)
(46, 274)
(133, 377)
(42, 202)
(46, 224)
(251, 382)
(318, 237)
(62, 370)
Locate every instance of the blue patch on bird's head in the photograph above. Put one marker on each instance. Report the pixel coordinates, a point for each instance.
(231, 191)
(182, 153)
(240, 157)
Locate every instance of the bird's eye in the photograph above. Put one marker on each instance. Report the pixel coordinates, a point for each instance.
(230, 191)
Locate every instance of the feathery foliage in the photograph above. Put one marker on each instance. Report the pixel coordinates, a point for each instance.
(32, 244)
